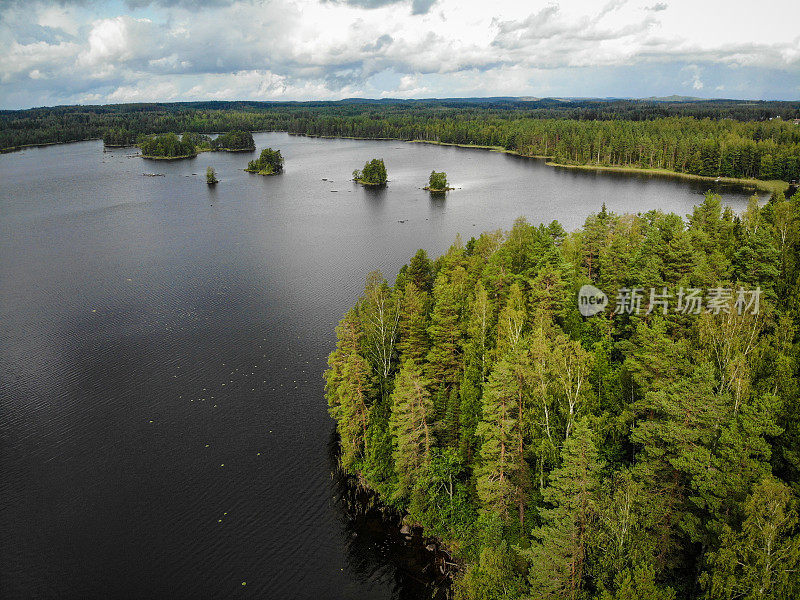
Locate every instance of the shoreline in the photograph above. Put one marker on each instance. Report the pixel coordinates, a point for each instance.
(769, 186)
(10, 149)
(499, 149)
(361, 501)
(761, 184)
(262, 172)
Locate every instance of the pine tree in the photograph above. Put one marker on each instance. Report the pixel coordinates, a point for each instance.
(410, 425)
(559, 550)
(502, 473)
(443, 359)
(419, 271)
(413, 344)
(349, 391)
(549, 295)
(476, 365)
(593, 238)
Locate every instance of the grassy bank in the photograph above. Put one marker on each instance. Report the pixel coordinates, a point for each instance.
(266, 172)
(478, 147)
(766, 186)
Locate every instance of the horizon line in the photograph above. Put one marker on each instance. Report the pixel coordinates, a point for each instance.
(674, 98)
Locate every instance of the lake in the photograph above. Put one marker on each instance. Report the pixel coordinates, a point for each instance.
(163, 428)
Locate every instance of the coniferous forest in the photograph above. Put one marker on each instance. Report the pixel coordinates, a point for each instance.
(723, 138)
(635, 454)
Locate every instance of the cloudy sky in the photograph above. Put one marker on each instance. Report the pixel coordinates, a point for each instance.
(91, 51)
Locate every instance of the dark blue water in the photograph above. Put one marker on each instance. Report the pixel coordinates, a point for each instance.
(163, 430)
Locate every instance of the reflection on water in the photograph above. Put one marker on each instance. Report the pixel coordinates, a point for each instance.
(375, 543)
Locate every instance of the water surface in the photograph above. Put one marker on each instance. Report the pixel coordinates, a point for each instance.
(163, 430)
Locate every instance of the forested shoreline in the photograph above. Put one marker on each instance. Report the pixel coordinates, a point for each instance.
(743, 140)
(628, 455)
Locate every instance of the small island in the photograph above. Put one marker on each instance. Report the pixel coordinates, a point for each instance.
(269, 163)
(211, 176)
(234, 141)
(373, 173)
(437, 183)
(167, 146)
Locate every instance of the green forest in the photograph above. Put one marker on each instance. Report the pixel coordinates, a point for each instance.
(636, 454)
(738, 139)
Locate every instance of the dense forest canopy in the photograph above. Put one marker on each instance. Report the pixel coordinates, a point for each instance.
(711, 138)
(649, 452)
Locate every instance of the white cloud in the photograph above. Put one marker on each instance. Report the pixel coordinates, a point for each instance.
(299, 49)
(59, 17)
(145, 93)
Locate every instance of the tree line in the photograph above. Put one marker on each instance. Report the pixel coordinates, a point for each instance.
(622, 456)
(712, 138)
